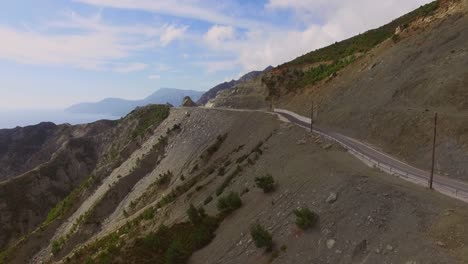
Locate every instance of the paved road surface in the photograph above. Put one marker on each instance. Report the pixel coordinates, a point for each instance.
(384, 161)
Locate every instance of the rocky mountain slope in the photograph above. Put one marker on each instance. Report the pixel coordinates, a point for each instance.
(213, 92)
(384, 86)
(82, 157)
(139, 212)
(196, 185)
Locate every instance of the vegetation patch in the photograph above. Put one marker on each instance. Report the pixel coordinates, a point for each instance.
(305, 218)
(171, 245)
(228, 180)
(337, 56)
(206, 155)
(266, 183)
(261, 237)
(64, 206)
(148, 117)
(229, 203)
(164, 178)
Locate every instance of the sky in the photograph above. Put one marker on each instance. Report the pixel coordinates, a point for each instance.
(54, 53)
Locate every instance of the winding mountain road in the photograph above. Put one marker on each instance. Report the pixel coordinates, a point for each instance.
(383, 161)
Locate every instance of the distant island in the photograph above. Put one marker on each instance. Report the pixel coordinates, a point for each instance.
(121, 107)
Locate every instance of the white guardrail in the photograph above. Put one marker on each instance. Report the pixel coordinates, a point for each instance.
(451, 191)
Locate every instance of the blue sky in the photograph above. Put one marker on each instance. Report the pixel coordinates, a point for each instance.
(55, 53)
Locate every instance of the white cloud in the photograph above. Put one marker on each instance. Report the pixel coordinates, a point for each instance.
(171, 33)
(130, 67)
(154, 77)
(88, 51)
(209, 11)
(218, 34)
(94, 45)
(322, 21)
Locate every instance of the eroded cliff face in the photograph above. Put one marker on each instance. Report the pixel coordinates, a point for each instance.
(62, 161)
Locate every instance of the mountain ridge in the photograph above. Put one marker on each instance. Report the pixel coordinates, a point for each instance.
(211, 93)
(120, 107)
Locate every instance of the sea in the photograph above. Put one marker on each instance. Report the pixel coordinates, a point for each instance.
(13, 118)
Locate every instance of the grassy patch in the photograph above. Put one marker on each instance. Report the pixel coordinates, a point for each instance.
(147, 117)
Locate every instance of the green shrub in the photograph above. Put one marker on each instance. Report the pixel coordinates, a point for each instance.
(261, 237)
(229, 203)
(266, 183)
(177, 253)
(305, 218)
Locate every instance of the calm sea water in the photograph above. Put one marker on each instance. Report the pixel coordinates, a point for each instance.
(13, 118)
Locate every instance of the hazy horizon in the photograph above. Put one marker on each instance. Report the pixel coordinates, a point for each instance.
(27, 117)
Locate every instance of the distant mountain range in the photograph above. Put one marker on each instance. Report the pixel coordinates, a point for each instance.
(211, 93)
(121, 107)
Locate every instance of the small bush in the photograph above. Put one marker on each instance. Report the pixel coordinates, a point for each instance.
(261, 237)
(148, 214)
(57, 245)
(195, 215)
(229, 203)
(266, 183)
(164, 178)
(177, 253)
(305, 218)
(208, 200)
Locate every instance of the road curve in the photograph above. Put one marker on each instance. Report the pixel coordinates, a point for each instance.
(383, 161)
